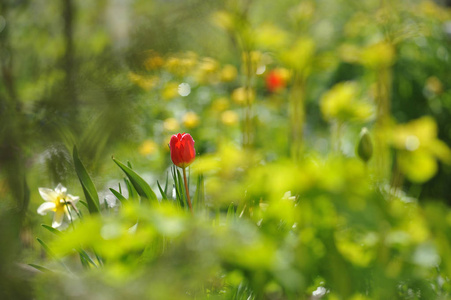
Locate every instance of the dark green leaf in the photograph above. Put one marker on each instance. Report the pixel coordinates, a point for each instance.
(132, 193)
(163, 194)
(118, 195)
(141, 186)
(92, 198)
(51, 229)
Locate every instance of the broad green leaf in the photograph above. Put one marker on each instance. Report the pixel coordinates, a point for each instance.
(141, 186)
(92, 198)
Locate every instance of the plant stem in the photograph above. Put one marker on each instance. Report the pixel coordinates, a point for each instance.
(187, 192)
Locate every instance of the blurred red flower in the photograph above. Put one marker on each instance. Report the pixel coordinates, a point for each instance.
(275, 81)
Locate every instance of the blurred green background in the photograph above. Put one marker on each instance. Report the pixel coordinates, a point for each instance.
(275, 95)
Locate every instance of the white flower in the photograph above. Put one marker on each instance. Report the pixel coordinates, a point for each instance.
(57, 201)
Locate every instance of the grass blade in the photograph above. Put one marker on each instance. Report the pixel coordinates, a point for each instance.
(163, 194)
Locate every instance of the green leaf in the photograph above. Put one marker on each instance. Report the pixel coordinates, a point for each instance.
(181, 188)
(46, 248)
(166, 184)
(40, 268)
(84, 204)
(177, 184)
(199, 195)
(141, 186)
(92, 198)
(86, 257)
(52, 230)
(163, 194)
(231, 213)
(132, 193)
(118, 195)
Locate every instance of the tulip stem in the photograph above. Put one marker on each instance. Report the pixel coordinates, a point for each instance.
(187, 192)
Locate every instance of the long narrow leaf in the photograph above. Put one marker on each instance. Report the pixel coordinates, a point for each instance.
(45, 247)
(181, 188)
(118, 195)
(52, 230)
(40, 268)
(166, 184)
(132, 193)
(141, 186)
(198, 200)
(178, 193)
(163, 194)
(87, 257)
(92, 198)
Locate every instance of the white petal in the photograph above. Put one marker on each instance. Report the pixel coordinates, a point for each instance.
(46, 207)
(58, 218)
(73, 199)
(48, 194)
(60, 189)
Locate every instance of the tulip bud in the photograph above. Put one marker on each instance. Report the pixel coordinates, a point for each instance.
(365, 146)
(182, 149)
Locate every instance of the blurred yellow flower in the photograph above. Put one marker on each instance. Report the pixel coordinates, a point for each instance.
(269, 36)
(242, 95)
(191, 119)
(378, 56)
(145, 83)
(220, 104)
(172, 64)
(419, 147)
(148, 147)
(154, 61)
(207, 71)
(342, 103)
(170, 91)
(228, 73)
(229, 118)
(171, 124)
(299, 56)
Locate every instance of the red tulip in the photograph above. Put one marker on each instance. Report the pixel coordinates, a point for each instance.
(182, 149)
